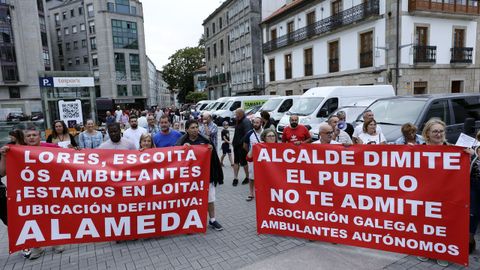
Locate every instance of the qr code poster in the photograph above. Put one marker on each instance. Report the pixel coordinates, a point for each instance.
(71, 112)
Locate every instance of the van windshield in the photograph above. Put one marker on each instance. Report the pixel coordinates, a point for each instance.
(271, 105)
(226, 106)
(396, 111)
(211, 106)
(305, 106)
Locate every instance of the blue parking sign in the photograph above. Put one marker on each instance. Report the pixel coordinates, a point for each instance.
(46, 81)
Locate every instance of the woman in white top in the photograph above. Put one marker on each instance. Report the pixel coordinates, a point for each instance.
(370, 134)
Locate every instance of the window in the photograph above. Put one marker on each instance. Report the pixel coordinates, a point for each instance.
(333, 61)
(94, 60)
(208, 53)
(214, 50)
(64, 15)
(14, 91)
(220, 23)
(311, 18)
(124, 34)
(288, 66)
(308, 62)
(366, 49)
(336, 7)
(213, 28)
(85, 59)
(72, 13)
(133, 10)
(60, 50)
(273, 34)
(290, 28)
(91, 27)
(457, 86)
(80, 10)
(69, 62)
(208, 32)
(84, 43)
(111, 7)
(271, 67)
(120, 69)
(93, 43)
(136, 90)
(67, 46)
(135, 67)
(57, 19)
(90, 10)
(75, 44)
(74, 29)
(77, 60)
(66, 30)
(441, 110)
(288, 92)
(122, 90)
(420, 88)
(82, 27)
(221, 47)
(46, 58)
(122, 6)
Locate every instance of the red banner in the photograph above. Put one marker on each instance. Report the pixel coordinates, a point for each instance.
(406, 199)
(62, 196)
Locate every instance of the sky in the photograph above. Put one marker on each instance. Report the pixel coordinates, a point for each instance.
(172, 25)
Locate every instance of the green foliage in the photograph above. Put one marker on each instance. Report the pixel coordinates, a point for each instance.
(178, 73)
(194, 97)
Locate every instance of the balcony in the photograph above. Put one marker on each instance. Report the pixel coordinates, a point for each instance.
(425, 54)
(347, 17)
(218, 79)
(445, 6)
(366, 59)
(461, 55)
(333, 65)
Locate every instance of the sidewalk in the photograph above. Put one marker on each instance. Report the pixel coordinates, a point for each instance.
(237, 246)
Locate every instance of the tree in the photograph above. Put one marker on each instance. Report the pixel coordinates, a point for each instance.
(194, 97)
(178, 73)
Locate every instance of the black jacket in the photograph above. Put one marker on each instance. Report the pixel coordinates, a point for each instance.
(243, 126)
(216, 172)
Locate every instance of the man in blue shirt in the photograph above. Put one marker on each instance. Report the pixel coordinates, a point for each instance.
(166, 136)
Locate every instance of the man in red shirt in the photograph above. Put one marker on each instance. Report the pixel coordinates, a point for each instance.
(295, 133)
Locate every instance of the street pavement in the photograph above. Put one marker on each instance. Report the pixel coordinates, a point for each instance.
(238, 246)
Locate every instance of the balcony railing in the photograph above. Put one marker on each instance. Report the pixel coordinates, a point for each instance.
(333, 65)
(218, 79)
(343, 18)
(425, 54)
(461, 55)
(366, 59)
(445, 6)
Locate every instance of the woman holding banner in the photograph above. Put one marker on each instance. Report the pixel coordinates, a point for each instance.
(434, 134)
(60, 135)
(146, 141)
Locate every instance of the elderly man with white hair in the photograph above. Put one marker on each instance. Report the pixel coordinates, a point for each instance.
(325, 134)
(209, 129)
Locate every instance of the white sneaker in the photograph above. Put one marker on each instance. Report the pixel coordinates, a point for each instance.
(443, 263)
(423, 259)
(58, 249)
(36, 253)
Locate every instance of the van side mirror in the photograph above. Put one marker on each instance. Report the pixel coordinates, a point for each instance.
(323, 112)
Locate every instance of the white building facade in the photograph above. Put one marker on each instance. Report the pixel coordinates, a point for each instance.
(319, 43)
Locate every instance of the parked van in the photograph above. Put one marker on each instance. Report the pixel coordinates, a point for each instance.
(277, 107)
(226, 113)
(216, 105)
(453, 109)
(202, 104)
(314, 106)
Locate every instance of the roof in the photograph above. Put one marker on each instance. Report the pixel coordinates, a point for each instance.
(283, 9)
(222, 6)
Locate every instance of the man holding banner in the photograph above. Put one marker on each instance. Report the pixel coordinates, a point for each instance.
(32, 138)
(193, 137)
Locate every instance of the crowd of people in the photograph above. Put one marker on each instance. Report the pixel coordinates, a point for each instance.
(140, 130)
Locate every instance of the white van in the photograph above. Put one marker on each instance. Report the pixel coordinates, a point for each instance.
(277, 107)
(202, 104)
(314, 106)
(217, 104)
(226, 113)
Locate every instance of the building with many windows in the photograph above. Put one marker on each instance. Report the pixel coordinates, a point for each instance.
(24, 51)
(165, 97)
(336, 42)
(233, 49)
(107, 38)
